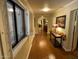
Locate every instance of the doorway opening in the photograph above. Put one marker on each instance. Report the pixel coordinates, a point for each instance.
(42, 24)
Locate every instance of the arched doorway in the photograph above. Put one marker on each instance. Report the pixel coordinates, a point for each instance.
(42, 24)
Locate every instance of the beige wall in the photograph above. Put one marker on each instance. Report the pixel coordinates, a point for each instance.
(66, 11)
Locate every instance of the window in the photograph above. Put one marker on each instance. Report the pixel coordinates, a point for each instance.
(19, 20)
(11, 23)
(16, 22)
(27, 25)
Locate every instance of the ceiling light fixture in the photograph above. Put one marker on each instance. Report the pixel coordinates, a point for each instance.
(46, 9)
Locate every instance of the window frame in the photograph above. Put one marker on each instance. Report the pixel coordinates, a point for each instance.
(15, 21)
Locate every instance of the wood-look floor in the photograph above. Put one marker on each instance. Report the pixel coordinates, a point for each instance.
(43, 49)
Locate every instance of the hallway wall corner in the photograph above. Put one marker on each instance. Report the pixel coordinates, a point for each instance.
(66, 49)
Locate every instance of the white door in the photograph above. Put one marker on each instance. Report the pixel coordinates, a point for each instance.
(73, 29)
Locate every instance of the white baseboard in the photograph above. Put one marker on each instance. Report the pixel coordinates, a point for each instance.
(67, 50)
(28, 52)
(30, 47)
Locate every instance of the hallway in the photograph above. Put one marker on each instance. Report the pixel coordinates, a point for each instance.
(24, 23)
(43, 49)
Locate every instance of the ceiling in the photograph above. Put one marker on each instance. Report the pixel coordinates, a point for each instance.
(37, 5)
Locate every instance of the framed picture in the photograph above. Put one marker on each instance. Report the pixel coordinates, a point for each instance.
(61, 21)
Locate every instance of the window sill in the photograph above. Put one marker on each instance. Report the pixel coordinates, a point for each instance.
(17, 48)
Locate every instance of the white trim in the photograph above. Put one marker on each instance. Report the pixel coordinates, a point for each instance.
(67, 50)
(29, 52)
(30, 47)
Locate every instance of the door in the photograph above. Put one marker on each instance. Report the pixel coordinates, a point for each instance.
(74, 29)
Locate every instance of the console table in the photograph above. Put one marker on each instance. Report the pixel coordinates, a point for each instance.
(56, 36)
